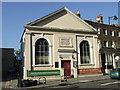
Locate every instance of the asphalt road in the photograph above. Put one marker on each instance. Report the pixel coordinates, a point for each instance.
(110, 84)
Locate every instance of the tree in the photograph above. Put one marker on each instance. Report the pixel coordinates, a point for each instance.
(17, 52)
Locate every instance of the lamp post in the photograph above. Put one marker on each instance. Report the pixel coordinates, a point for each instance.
(114, 18)
(19, 59)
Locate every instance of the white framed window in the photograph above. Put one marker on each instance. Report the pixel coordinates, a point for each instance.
(117, 34)
(112, 33)
(112, 44)
(105, 31)
(42, 52)
(98, 29)
(105, 43)
(85, 53)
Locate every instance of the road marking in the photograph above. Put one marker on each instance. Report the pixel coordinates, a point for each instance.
(109, 83)
(85, 81)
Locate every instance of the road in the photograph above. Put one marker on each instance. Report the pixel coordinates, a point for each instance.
(110, 84)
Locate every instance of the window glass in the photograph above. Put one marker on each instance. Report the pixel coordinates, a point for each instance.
(104, 31)
(112, 33)
(84, 52)
(105, 43)
(41, 51)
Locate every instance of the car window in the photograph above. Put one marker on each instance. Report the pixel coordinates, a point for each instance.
(116, 69)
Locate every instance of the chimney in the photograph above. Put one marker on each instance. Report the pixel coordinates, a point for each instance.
(99, 19)
(78, 14)
(90, 20)
(116, 25)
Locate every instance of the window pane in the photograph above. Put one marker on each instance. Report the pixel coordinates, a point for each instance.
(41, 51)
(84, 52)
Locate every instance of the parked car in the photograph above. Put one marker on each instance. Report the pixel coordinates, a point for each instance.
(115, 73)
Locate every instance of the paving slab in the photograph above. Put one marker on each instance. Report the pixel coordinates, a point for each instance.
(56, 82)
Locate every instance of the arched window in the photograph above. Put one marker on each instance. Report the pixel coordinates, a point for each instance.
(84, 52)
(41, 52)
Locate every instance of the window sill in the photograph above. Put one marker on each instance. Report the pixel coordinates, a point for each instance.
(42, 65)
(86, 64)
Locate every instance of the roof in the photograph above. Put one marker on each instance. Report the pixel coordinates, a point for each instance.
(100, 24)
(55, 12)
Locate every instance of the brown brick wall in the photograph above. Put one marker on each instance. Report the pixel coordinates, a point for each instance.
(89, 71)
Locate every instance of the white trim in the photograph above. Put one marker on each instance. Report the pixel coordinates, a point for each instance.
(71, 60)
(57, 11)
(50, 51)
(91, 52)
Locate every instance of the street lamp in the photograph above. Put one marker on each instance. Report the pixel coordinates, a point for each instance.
(114, 18)
(19, 59)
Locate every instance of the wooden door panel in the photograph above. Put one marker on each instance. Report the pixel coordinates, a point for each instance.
(67, 68)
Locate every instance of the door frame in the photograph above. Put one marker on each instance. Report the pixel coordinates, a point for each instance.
(60, 58)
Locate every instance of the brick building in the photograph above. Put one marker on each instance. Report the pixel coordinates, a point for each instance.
(109, 43)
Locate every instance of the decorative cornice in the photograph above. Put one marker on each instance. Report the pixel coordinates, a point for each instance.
(59, 29)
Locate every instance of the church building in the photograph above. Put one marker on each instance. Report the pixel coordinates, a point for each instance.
(60, 44)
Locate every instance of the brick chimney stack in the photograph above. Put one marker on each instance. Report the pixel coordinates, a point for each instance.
(90, 20)
(99, 19)
(78, 14)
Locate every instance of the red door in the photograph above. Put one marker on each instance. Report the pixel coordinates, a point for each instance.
(67, 68)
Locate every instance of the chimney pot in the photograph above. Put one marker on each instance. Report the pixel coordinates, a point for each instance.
(90, 20)
(99, 18)
(78, 13)
(116, 25)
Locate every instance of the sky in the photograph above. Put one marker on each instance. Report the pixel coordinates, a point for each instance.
(16, 14)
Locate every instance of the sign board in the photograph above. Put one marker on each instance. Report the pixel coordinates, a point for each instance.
(65, 41)
(74, 63)
(44, 73)
(18, 57)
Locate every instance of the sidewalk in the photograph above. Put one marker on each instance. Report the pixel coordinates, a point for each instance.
(57, 82)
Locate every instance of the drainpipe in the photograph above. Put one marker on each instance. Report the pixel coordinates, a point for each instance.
(106, 60)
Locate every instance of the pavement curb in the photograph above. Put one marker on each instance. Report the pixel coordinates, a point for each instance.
(66, 83)
(70, 82)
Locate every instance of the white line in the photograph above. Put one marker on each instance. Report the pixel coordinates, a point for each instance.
(85, 81)
(109, 83)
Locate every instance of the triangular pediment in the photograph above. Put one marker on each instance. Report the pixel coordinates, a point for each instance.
(63, 19)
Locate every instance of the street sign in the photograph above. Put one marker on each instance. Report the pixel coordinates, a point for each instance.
(18, 57)
(74, 63)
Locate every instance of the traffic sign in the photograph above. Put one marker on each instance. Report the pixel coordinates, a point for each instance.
(18, 57)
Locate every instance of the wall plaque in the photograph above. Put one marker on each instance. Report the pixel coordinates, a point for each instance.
(65, 41)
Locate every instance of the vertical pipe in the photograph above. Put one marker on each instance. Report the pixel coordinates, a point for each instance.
(106, 70)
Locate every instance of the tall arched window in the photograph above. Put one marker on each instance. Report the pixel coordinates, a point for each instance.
(84, 52)
(41, 51)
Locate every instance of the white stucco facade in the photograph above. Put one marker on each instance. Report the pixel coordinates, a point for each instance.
(64, 33)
